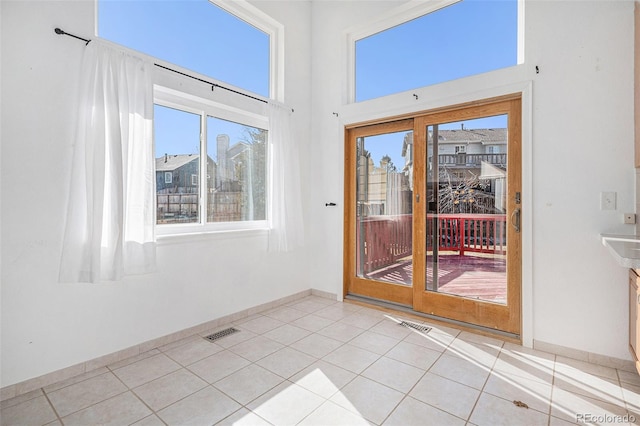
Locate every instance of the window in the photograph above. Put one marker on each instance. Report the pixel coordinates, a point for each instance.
(196, 35)
(463, 39)
(461, 149)
(202, 182)
(220, 180)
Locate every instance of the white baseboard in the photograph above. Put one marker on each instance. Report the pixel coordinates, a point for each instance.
(35, 383)
(593, 358)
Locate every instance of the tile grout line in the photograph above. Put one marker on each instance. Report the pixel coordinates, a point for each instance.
(127, 389)
(624, 398)
(52, 407)
(153, 412)
(356, 375)
(475, 404)
(553, 386)
(212, 385)
(96, 403)
(446, 348)
(283, 302)
(406, 394)
(134, 393)
(112, 371)
(255, 364)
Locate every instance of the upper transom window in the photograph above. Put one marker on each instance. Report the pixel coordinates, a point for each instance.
(465, 38)
(195, 34)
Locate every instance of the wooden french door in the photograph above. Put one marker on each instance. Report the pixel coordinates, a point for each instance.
(433, 213)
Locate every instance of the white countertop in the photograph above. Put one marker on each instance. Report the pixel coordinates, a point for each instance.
(624, 248)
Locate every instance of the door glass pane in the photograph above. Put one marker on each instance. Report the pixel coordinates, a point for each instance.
(467, 208)
(384, 210)
(177, 152)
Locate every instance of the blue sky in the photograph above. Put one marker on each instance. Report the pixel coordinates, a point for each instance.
(197, 35)
(178, 132)
(466, 38)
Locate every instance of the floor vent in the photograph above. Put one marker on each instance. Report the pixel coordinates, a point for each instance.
(220, 334)
(419, 327)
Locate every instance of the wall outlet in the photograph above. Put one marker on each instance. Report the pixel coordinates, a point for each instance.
(607, 201)
(630, 218)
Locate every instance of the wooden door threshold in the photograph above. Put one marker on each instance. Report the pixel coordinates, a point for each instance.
(407, 311)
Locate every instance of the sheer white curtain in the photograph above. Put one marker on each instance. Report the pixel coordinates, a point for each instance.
(286, 218)
(110, 215)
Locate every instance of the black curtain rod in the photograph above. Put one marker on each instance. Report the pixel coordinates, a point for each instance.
(61, 32)
(213, 85)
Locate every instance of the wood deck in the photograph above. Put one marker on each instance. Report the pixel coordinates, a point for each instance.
(475, 276)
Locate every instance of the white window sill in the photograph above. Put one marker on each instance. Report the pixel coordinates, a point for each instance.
(196, 236)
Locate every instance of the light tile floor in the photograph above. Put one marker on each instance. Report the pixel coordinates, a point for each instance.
(319, 362)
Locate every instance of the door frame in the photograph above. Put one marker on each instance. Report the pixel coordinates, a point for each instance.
(394, 293)
(506, 318)
(381, 290)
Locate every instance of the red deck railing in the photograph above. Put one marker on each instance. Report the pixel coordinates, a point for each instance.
(383, 240)
(386, 240)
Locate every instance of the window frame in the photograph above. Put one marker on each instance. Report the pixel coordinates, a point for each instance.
(251, 15)
(275, 30)
(398, 16)
(176, 91)
(171, 98)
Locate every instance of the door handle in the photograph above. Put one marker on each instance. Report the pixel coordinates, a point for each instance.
(515, 219)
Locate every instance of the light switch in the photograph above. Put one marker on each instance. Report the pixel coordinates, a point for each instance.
(607, 201)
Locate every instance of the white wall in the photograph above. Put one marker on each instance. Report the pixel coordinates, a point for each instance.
(47, 326)
(582, 145)
(581, 128)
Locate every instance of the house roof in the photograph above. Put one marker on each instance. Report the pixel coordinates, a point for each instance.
(483, 136)
(237, 148)
(174, 161)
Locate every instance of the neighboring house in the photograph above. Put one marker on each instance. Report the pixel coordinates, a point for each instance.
(474, 159)
(472, 166)
(178, 173)
(462, 151)
(177, 185)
